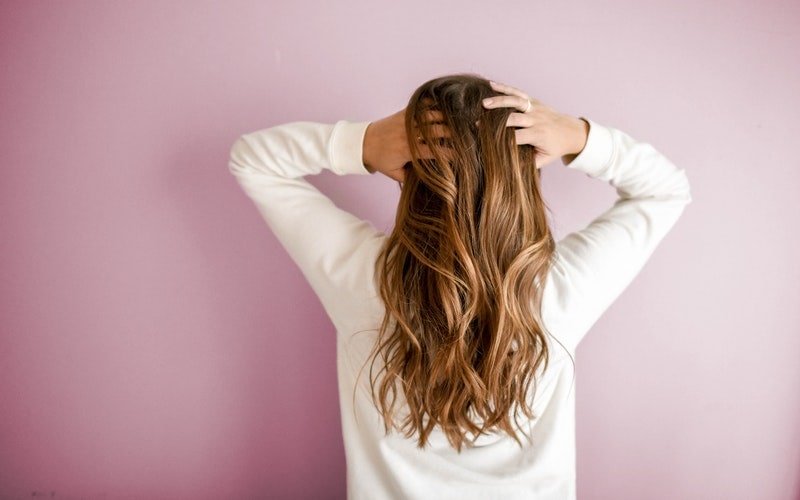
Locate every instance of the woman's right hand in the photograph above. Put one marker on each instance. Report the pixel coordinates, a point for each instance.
(552, 134)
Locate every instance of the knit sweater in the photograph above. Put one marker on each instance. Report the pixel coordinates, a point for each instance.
(336, 251)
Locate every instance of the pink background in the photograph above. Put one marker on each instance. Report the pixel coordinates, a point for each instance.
(157, 342)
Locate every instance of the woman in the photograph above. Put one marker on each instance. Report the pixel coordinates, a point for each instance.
(468, 311)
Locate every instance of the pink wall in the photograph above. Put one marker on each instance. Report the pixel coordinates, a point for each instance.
(157, 342)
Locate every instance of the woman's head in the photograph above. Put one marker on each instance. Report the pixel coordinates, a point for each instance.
(462, 271)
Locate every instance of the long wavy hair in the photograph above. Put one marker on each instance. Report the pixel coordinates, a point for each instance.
(462, 271)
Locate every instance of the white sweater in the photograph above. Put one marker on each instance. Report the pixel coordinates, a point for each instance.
(336, 250)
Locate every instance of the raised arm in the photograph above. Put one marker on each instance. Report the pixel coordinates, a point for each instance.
(331, 246)
(594, 265)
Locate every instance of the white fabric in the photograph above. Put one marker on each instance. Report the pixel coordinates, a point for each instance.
(336, 251)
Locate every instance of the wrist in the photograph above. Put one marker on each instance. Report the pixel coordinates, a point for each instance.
(367, 148)
(579, 134)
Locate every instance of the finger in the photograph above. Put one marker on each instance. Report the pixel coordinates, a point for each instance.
(540, 159)
(508, 89)
(506, 101)
(523, 136)
(519, 120)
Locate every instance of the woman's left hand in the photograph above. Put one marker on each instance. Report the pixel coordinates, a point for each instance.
(386, 145)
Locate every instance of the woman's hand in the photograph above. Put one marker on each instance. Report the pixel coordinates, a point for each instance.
(386, 148)
(552, 134)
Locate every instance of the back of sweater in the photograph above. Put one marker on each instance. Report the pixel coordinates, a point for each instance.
(336, 252)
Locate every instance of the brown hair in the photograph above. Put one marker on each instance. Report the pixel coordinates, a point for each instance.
(460, 273)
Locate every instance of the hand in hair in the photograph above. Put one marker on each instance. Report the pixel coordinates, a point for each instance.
(386, 148)
(551, 133)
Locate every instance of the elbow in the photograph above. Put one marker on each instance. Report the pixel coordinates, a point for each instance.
(685, 191)
(239, 154)
(676, 183)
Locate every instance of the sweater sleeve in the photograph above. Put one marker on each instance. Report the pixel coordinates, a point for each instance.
(329, 244)
(592, 266)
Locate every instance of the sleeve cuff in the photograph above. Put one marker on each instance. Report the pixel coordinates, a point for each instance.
(597, 153)
(347, 148)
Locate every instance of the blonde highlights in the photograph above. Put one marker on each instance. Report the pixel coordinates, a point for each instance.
(462, 271)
